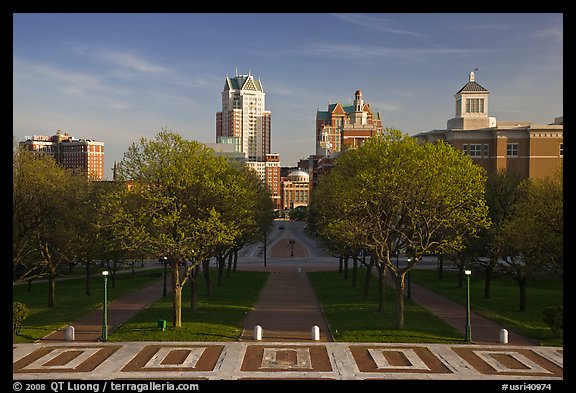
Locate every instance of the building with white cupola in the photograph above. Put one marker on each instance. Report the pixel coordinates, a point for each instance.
(528, 150)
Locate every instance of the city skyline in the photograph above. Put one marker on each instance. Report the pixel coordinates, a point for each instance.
(143, 72)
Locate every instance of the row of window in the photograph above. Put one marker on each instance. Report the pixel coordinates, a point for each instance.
(483, 150)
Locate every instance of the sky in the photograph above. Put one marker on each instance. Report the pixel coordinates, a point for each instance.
(120, 77)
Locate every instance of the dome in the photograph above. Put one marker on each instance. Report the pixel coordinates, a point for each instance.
(298, 175)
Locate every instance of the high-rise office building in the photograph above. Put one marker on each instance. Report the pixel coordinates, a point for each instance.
(244, 116)
(84, 155)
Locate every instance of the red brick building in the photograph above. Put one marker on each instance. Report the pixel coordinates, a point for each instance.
(83, 155)
(345, 126)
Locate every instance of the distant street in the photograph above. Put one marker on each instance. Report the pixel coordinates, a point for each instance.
(253, 255)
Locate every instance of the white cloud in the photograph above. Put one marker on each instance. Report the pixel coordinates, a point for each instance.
(384, 25)
(123, 59)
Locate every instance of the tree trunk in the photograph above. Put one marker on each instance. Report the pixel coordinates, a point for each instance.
(206, 271)
(113, 275)
(440, 266)
(221, 264)
(522, 287)
(88, 278)
(194, 289)
(354, 270)
(229, 268)
(235, 259)
(340, 263)
(488, 281)
(460, 276)
(346, 258)
(399, 280)
(176, 295)
(51, 288)
(367, 276)
(381, 270)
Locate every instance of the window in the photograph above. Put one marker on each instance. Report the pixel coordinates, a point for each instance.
(475, 105)
(486, 153)
(458, 107)
(562, 150)
(475, 150)
(512, 150)
(465, 148)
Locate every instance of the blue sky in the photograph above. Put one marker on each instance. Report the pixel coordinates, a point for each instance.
(118, 77)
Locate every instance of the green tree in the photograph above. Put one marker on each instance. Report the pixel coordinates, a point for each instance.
(502, 193)
(247, 206)
(170, 206)
(533, 238)
(422, 198)
(48, 202)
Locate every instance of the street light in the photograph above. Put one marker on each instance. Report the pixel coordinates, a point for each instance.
(292, 247)
(165, 265)
(468, 327)
(105, 308)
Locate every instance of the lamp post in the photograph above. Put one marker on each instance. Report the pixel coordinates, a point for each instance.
(292, 247)
(105, 308)
(468, 327)
(165, 266)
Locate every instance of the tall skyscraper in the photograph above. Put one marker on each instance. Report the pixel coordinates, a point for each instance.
(244, 117)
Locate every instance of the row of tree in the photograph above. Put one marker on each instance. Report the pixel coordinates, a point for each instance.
(175, 201)
(393, 195)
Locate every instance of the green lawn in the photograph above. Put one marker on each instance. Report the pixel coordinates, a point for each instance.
(219, 318)
(354, 318)
(503, 305)
(351, 316)
(71, 301)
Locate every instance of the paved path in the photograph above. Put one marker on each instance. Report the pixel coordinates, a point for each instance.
(483, 330)
(286, 309)
(89, 327)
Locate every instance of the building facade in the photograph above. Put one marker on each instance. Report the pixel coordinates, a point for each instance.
(273, 179)
(295, 190)
(526, 149)
(244, 116)
(81, 155)
(346, 126)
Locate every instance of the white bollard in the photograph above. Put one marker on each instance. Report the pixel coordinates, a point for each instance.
(70, 333)
(315, 333)
(257, 332)
(503, 336)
